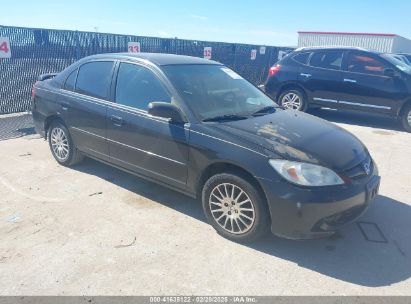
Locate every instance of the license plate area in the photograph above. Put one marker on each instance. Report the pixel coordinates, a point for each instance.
(373, 188)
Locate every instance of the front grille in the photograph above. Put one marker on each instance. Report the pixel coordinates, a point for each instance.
(359, 171)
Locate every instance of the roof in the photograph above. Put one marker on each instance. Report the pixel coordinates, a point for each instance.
(348, 33)
(332, 47)
(159, 59)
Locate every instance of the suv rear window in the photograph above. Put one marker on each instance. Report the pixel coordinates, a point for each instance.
(302, 57)
(327, 60)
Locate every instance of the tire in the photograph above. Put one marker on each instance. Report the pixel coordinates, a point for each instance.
(287, 100)
(62, 146)
(235, 222)
(406, 118)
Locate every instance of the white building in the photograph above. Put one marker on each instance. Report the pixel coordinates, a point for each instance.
(387, 43)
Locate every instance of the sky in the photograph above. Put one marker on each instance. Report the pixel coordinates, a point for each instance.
(269, 22)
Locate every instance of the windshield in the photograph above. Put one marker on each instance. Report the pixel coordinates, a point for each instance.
(408, 57)
(401, 65)
(215, 91)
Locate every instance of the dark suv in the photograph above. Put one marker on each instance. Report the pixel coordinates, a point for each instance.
(343, 78)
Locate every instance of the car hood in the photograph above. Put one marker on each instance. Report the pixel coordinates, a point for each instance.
(302, 137)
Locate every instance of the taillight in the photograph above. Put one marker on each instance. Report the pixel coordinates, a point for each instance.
(33, 90)
(274, 70)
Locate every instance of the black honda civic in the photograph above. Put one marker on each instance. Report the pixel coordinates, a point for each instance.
(198, 127)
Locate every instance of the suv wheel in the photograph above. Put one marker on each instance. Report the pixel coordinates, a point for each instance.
(406, 118)
(235, 208)
(62, 146)
(293, 99)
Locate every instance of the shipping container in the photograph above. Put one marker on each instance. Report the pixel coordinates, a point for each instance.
(387, 43)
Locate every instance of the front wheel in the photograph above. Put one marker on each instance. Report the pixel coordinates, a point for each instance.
(406, 118)
(293, 99)
(62, 146)
(235, 208)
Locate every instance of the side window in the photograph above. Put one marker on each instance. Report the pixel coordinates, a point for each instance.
(71, 81)
(302, 57)
(137, 87)
(94, 79)
(327, 59)
(362, 63)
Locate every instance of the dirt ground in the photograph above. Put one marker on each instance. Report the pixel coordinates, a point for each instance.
(95, 230)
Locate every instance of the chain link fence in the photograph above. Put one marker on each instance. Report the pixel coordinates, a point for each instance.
(39, 51)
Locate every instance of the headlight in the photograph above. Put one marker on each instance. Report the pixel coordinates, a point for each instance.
(305, 174)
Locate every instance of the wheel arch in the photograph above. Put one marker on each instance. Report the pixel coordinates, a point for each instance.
(402, 108)
(49, 120)
(228, 167)
(290, 86)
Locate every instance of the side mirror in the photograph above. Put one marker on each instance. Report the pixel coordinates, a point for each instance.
(166, 110)
(390, 73)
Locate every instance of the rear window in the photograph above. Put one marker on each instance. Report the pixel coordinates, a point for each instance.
(94, 79)
(327, 60)
(302, 57)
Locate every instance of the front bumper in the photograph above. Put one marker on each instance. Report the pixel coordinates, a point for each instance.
(306, 213)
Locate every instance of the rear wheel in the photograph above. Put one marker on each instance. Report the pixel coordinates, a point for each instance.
(293, 99)
(61, 145)
(235, 208)
(406, 118)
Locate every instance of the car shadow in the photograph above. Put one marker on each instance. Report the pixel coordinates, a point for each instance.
(374, 251)
(358, 119)
(15, 126)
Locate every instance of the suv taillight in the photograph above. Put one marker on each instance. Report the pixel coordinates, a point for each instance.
(274, 70)
(33, 90)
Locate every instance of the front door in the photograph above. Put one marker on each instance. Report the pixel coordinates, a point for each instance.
(148, 145)
(366, 87)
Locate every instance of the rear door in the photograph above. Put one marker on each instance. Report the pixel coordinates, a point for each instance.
(322, 77)
(83, 103)
(365, 85)
(148, 145)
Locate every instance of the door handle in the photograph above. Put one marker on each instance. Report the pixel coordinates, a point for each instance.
(116, 120)
(306, 75)
(350, 80)
(64, 106)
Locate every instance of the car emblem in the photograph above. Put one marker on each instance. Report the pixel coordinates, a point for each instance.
(366, 167)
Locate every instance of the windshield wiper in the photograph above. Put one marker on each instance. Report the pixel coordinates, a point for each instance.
(265, 110)
(225, 117)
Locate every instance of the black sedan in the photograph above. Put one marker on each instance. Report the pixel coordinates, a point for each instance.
(199, 128)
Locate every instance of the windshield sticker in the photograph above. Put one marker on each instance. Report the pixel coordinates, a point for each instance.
(231, 73)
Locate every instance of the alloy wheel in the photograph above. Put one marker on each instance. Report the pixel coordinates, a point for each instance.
(59, 143)
(232, 208)
(291, 101)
